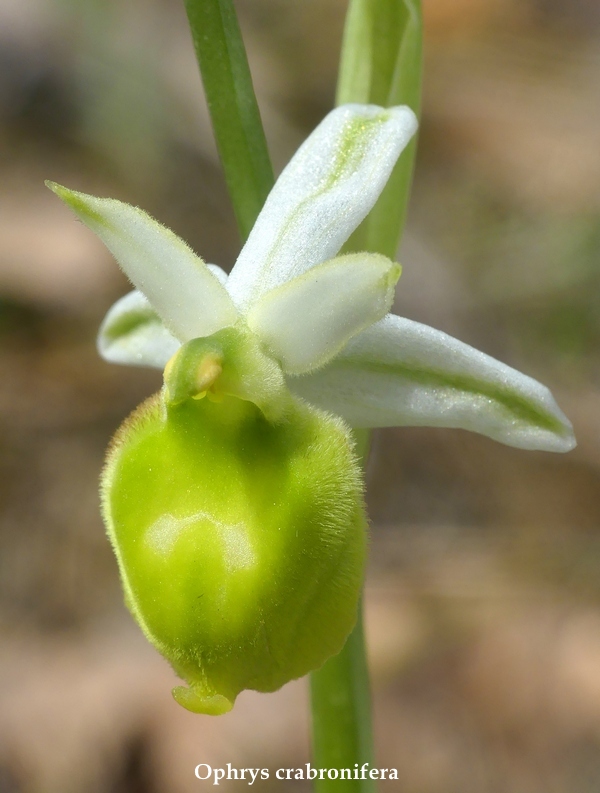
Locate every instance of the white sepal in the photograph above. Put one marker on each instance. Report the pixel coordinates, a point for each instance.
(326, 190)
(133, 333)
(307, 320)
(402, 373)
(186, 295)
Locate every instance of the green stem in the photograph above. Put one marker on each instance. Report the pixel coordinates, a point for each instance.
(233, 108)
(381, 64)
(341, 701)
(341, 712)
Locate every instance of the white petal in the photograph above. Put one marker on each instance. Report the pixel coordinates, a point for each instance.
(186, 295)
(326, 190)
(218, 272)
(132, 333)
(399, 372)
(306, 321)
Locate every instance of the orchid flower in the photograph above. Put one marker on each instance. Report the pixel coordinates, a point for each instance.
(303, 336)
(323, 317)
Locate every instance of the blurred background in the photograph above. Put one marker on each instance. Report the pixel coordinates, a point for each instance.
(483, 597)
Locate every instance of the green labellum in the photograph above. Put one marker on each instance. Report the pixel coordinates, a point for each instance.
(241, 542)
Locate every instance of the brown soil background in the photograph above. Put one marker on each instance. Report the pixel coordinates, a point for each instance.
(483, 598)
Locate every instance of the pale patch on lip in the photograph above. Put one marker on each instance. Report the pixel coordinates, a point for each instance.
(239, 554)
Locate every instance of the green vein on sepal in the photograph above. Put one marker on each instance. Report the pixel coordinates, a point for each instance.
(518, 406)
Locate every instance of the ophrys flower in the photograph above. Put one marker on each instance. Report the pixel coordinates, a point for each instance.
(233, 499)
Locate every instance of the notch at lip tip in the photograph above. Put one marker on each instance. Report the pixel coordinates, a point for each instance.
(209, 705)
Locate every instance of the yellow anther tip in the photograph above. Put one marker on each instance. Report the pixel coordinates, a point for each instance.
(208, 371)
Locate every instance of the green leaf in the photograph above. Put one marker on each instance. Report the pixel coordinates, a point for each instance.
(232, 105)
(382, 64)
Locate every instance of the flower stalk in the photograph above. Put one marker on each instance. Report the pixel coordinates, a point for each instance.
(233, 107)
(381, 62)
(342, 731)
(341, 714)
